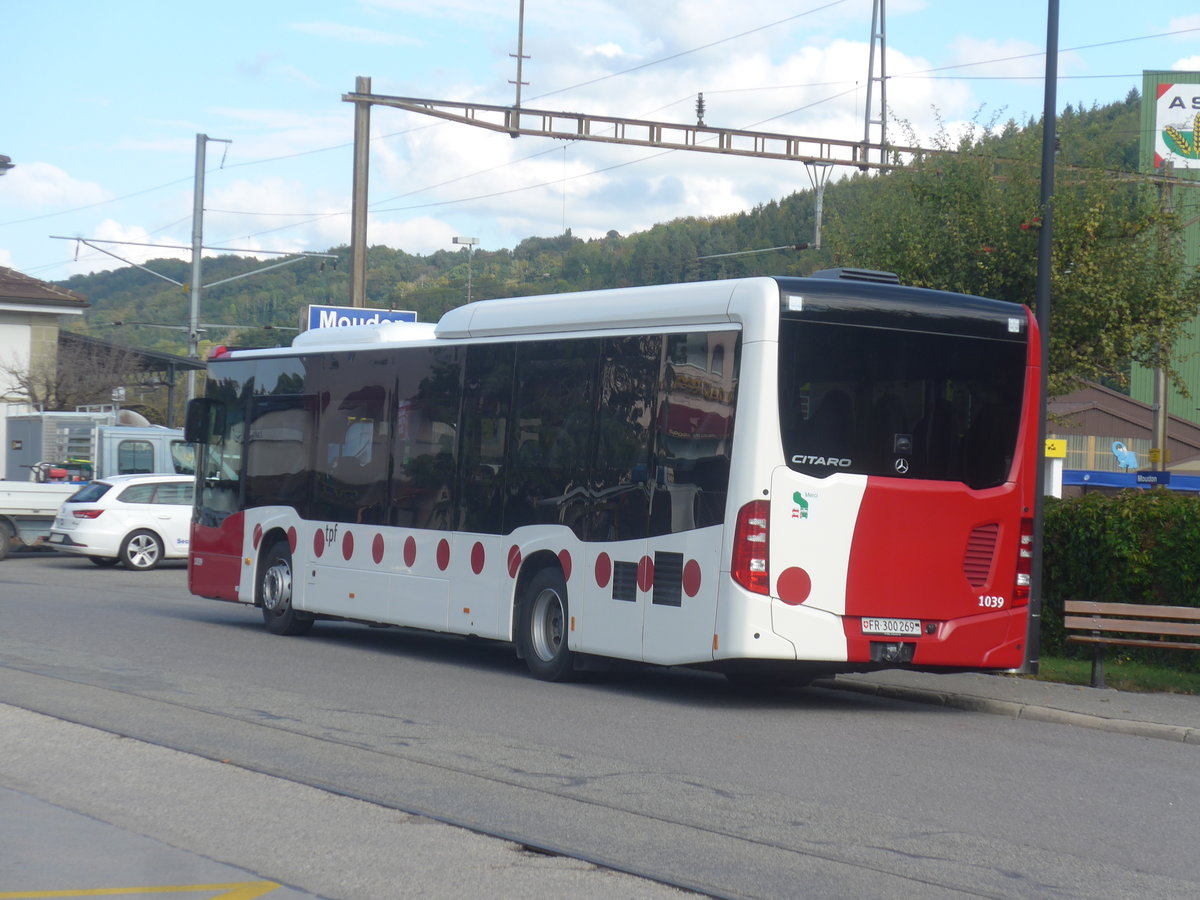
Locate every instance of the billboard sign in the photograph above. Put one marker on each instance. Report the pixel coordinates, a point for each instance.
(1177, 125)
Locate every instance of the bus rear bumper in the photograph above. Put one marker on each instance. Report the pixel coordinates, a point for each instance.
(991, 640)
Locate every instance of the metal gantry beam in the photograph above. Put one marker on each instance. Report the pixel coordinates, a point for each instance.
(568, 126)
(517, 120)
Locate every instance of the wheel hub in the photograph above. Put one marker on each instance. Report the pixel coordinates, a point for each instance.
(548, 625)
(277, 587)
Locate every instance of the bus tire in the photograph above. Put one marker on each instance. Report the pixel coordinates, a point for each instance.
(6, 540)
(275, 593)
(542, 627)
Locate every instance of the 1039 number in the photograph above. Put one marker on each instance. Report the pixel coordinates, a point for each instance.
(991, 601)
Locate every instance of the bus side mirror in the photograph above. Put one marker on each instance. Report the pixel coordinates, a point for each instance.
(205, 418)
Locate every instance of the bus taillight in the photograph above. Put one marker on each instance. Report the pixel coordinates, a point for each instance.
(750, 547)
(1024, 563)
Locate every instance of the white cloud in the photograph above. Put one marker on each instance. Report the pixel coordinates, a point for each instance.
(38, 186)
(608, 50)
(1185, 23)
(427, 232)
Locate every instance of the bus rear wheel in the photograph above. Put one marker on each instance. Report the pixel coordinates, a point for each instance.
(275, 592)
(542, 627)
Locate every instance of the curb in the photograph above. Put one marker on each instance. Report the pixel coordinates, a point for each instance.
(1016, 710)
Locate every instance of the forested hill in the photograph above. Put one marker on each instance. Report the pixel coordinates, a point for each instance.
(1100, 136)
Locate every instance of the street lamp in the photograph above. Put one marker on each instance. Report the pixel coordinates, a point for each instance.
(470, 243)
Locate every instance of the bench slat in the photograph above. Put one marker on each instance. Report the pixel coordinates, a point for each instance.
(1136, 610)
(1121, 626)
(1133, 642)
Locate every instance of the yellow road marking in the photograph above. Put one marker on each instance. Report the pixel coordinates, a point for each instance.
(246, 890)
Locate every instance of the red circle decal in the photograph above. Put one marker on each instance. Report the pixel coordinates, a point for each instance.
(292, 539)
(257, 536)
(347, 545)
(794, 586)
(514, 561)
(603, 570)
(443, 554)
(645, 575)
(477, 558)
(564, 560)
(410, 551)
(377, 549)
(319, 542)
(691, 578)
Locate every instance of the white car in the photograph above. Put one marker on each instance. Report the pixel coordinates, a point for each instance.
(136, 520)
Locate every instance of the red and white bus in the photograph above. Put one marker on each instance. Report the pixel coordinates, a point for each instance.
(789, 476)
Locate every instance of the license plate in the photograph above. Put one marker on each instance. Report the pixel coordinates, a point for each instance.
(898, 627)
(55, 538)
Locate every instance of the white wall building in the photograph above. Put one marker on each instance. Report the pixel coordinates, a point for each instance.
(30, 311)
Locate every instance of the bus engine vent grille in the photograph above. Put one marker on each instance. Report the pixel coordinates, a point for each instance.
(668, 579)
(981, 548)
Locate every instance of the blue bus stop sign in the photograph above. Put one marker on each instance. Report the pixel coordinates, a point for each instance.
(344, 316)
(1150, 477)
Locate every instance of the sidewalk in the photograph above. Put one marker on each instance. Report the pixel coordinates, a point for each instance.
(1173, 717)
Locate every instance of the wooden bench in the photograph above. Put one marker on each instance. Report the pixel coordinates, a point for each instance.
(1130, 625)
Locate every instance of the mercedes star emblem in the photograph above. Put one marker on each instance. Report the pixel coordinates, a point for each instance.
(902, 467)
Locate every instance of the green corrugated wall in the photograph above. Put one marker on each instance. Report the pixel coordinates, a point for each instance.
(1186, 200)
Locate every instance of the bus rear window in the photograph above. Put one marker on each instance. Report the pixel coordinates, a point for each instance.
(902, 404)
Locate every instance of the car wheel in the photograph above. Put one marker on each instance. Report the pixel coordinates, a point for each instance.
(103, 561)
(141, 551)
(542, 627)
(275, 592)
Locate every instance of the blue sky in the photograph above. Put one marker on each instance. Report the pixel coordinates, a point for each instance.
(102, 104)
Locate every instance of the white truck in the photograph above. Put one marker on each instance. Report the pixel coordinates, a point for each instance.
(27, 510)
(51, 455)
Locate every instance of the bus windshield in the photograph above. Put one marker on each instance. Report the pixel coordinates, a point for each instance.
(907, 404)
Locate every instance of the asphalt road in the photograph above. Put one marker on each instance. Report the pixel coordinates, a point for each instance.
(667, 774)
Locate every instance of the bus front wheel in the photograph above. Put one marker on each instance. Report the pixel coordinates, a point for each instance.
(542, 627)
(275, 592)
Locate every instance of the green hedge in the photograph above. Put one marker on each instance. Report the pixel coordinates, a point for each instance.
(1134, 547)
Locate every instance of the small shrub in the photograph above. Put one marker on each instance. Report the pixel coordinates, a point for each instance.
(1134, 547)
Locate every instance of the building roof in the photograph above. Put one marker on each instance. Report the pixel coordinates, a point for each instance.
(30, 293)
(1099, 411)
(145, 360)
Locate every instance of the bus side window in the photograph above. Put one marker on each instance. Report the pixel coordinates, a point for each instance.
(628, 389)
(487, 392)
(695, 431)
(552, 434)
(428, 396)
(352, 427)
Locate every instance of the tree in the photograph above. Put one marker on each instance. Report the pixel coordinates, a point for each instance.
(83, 374)
(968, 221)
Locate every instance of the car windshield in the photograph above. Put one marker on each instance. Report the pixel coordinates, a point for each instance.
(90, 493)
